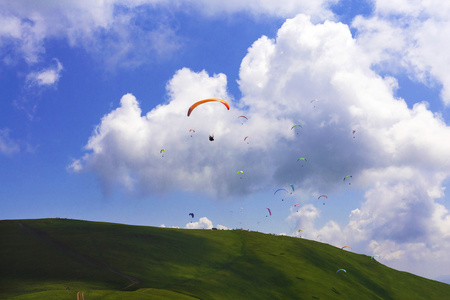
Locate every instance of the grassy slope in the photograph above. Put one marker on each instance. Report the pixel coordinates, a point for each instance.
(41, 257)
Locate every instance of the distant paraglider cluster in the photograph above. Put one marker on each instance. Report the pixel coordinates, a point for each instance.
(280, 192)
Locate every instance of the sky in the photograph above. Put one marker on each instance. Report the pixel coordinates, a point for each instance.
(92, 91)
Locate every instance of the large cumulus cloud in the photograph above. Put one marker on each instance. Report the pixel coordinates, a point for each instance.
(411, 36)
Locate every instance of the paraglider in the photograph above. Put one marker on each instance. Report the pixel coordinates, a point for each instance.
(270, 213)
(354, 133)
(292, 187)
(211, 138)
(325, 196)
(314, 100)
(346, 247)
(300, 230)
(162, 151)
(191, 214)
(348, 176)
(296, 205)
(205, 101)
(341, 270)
(191, 130)
(297, 125)
(302, 158)
(246, 138)
(240, 172)
(244, 118)
(280, 190)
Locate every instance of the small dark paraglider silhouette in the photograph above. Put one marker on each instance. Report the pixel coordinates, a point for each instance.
(191, 214)
(211, 138)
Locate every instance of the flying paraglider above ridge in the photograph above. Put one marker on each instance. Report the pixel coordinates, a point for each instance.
(205, 101)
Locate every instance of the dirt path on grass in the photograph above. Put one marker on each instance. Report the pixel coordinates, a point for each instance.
(77, 256)
(80, 295)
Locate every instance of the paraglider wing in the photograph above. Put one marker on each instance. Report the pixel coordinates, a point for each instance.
(296, 204)
(240, 172)
(162, 150)
(191, 214)
(301, 158)
(246, 138)
(280, 190)
(297, 125)
(191, 130)
(300, 230)
(341, 270)
(243, 117)
(348, 176)
(270, 213)
(292, 186)
(346, 247)
(322, 196)
(204, 101)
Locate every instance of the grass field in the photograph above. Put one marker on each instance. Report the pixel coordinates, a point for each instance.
(40, 258)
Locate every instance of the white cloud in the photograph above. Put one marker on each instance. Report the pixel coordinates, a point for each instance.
(7, 144)
(46, 77)
(203, 223)
(111, 30)
(411, 36)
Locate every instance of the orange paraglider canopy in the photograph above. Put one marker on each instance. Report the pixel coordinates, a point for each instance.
(204, 101)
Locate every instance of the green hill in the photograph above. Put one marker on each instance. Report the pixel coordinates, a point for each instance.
(41, 258)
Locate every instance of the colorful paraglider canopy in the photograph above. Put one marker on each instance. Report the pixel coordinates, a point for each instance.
(162, 150)
(192, 130)
(191, 214)
(296, 125)
(240, 172)
(296, 204)
(280, 190)
(325, 196)
(243, 117)
(301, 158)
(270, 213)
(204, 101)
(346, 247)
(341, 270)
(292, 187)
(246, 138)
(300, 230)
(348, 176)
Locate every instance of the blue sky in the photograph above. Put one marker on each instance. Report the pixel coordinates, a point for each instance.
(91, 92)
